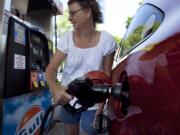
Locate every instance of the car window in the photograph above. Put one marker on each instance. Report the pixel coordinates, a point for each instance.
(144, 24)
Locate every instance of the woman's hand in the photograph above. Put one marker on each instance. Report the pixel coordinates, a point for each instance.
(61, 96)
(99, 109)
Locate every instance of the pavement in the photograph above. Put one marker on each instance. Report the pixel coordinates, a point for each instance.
(58, 129)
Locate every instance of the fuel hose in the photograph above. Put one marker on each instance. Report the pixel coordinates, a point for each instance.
(45, 118)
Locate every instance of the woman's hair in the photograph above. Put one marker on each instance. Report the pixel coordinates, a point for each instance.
(94, 6)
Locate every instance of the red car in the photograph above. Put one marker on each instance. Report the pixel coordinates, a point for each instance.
(148, 66)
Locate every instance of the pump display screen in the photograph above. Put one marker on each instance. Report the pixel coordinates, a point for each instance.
(19, 34)
(37, 44)
(35, 39)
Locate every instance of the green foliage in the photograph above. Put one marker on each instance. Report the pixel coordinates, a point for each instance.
(132, 39)
(136, 36)
(118, 39)
(128, 22)
(63, 24)
(141, 2)
(129, 19)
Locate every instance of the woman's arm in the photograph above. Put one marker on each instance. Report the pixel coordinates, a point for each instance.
(57, 91)
(107, 63)
(107, 67)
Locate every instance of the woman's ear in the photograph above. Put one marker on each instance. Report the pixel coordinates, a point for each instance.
(88, 12)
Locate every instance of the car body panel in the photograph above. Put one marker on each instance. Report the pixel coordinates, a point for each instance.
(153, 75)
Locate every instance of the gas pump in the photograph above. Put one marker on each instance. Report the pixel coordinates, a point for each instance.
(27, 58)
(25, 50)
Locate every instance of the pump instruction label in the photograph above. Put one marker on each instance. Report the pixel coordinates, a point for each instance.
(19, 61)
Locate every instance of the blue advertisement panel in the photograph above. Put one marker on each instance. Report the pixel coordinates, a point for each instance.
(22, 115)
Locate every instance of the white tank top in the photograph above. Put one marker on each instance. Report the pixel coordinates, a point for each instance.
(82, 60)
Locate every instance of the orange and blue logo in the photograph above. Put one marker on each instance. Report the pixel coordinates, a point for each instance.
(30, 122)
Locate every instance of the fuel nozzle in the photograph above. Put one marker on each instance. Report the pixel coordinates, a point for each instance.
(115, 90)
(118, 91)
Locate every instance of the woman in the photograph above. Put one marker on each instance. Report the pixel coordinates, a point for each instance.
(84, 49)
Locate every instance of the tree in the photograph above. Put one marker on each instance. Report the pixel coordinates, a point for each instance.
(129, 19)
(63, 24)
(128, 22)
(117, 39)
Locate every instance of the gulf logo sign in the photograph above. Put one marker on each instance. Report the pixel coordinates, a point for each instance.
(30, 122)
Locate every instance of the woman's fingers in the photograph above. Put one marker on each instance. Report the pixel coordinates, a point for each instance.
(62, 97)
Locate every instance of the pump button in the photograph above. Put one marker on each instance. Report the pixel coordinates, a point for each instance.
(35, 84)
(42, 83)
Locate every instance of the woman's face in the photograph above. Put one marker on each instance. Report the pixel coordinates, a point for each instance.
(78, 16)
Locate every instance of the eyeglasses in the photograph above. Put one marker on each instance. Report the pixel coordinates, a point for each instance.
(72, 13)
